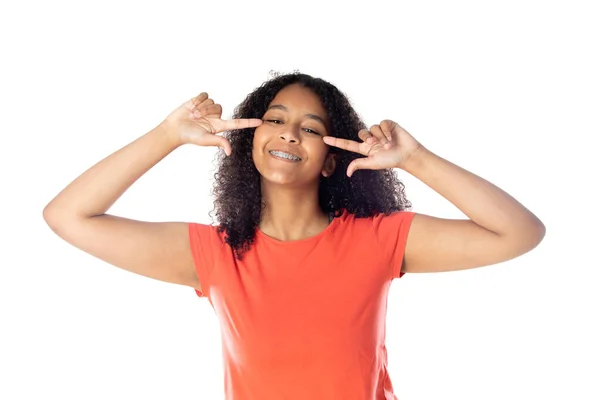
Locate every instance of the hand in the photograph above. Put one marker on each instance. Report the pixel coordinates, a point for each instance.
(198, 120)
(386, 145)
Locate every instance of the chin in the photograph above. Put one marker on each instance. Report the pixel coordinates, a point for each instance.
(280, 179)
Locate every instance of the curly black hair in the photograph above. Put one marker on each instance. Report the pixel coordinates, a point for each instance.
(237, 186)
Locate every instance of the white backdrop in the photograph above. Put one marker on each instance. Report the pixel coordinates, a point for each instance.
(508, 90)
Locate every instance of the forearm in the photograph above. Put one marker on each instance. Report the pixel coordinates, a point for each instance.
(484, 203)
(98, 188)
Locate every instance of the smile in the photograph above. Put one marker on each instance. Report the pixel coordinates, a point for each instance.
(284, 156)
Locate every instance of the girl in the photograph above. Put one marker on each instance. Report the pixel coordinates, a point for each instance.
(313, 227)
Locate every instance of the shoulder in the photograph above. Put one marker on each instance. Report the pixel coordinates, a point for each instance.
(380, 224)
(205, 233)
(377, 218)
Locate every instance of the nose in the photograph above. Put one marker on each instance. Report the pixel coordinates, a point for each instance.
(291, 135)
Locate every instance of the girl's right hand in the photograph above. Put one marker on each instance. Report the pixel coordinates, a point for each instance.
(198, 120)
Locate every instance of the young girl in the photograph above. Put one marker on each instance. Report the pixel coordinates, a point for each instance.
(313, 227)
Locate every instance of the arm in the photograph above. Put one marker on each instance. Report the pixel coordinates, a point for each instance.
(78, 215)
(157, 250)
(98, 188)
(499, 228)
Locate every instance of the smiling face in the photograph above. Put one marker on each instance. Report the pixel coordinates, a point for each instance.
(288, 147)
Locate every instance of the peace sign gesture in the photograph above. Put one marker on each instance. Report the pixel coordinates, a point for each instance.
(386, 145)
(198, 121)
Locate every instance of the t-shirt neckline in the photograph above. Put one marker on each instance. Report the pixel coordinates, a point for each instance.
(324, 232)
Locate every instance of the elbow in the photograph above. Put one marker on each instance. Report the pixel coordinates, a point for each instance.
(534, 235)
(51, 217)
(539, 231)
(524, 239)
(48, 213)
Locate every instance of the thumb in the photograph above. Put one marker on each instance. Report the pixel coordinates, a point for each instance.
(217, 141)
(359, 163)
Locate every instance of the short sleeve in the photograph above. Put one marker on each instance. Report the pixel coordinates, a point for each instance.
(391, 232)
(204, 239)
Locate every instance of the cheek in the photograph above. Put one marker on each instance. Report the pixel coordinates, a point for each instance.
(255, 141)
(320, 150)
(258, 143)
(259, 137)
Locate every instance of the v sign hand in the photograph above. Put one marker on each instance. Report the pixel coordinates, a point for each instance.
(198, 120)
(384, 146)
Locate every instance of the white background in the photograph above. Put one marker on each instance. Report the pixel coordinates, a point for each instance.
(509, 90)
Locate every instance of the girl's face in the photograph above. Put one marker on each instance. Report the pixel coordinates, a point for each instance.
(288, 147)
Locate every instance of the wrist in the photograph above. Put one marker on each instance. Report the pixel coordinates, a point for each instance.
(169, 133)
(416, 160)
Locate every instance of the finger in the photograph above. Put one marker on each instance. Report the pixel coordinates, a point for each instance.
(359, 163)
(378, 133)
(225, 145)
(200, 98)
(194, 101)
(364, 134)
(345, 144)
(242, 123)
(206, 102)
(217, 141)
(210, 111)
(388, 126)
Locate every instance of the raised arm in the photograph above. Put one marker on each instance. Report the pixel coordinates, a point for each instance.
(156, 250)
(499, 228)
(78, 215)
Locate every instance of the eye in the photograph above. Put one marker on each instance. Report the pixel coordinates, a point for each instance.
(311, 131)
(278, 122)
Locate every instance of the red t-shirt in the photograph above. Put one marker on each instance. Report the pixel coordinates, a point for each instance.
(305, 319)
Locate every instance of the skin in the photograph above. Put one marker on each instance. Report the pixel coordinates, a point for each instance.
(498, 227)
(290, 189)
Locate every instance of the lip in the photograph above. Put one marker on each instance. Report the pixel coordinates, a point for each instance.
(284, 151)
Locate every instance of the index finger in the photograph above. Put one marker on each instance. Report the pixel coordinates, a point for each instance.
(241, 123)
(345, 144)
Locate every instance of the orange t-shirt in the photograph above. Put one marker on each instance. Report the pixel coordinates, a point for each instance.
(305, 319)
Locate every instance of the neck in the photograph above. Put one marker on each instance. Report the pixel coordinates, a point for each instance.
(291, 213)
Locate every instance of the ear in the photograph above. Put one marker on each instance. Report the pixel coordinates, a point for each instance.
(329, 165)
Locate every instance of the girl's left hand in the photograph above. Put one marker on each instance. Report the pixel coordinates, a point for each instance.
(386, 145)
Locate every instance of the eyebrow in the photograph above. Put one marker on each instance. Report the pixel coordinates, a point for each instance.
(311, 116)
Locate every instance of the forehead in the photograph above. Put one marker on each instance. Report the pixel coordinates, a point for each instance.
(299, 98)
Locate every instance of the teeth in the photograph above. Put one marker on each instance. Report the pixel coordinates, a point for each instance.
(285, 155)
